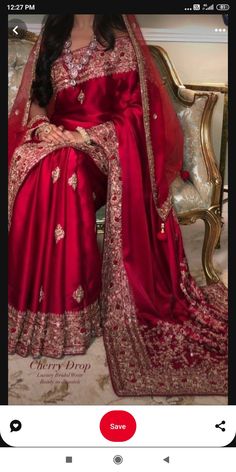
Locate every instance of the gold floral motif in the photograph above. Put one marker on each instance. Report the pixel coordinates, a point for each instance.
(41, 294)
(56, 174)
(81, 97)
(72, 181)
(59, 233)
(78, 294)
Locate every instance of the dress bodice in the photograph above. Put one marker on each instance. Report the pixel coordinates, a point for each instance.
(104, 86)
(102, 63)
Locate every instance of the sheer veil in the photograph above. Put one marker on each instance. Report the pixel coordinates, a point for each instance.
(18, 117)
(164, 137)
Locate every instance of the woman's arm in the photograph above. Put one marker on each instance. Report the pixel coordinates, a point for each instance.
(39, 122)
(36, 110)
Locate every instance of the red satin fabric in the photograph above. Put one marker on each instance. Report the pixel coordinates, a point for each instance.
(157, 292)
(40, 206)
(153, 267)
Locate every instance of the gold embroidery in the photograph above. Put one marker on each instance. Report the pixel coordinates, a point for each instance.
(53, 334)
(56, 174)
(41, 294)
(37, 118)
(81, 96)
(105, 136)
(78, 294)
(30, 155)
(59, 233)
(164, 210)
(145, 106)
(73, 181)
(120, 59)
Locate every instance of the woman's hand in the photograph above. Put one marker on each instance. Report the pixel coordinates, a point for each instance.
(51, 134)
(73, 137)
(56, 134)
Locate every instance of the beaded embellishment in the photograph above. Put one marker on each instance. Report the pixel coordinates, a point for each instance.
(73, 68)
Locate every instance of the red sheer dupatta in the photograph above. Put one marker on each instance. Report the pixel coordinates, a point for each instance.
(164, 136)
(19, 114)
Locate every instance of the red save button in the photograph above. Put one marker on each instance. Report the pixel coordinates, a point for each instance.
(117, 426)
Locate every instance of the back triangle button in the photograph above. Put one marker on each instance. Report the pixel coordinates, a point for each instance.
(167, 459)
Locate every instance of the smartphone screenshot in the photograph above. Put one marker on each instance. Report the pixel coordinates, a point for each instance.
(117, 334)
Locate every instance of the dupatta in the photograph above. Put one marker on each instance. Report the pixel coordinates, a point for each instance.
(163, 133)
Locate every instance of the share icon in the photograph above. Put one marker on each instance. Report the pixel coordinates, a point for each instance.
(219, 426)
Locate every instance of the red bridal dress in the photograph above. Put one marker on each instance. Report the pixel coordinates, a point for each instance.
(163, 334)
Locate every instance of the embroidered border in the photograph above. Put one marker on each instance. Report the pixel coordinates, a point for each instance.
(145, 105)
(53, 334)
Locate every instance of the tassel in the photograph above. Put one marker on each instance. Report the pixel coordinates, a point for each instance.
(161, 235)
(185, 175)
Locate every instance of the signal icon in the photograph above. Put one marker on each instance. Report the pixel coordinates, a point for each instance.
(210, 7)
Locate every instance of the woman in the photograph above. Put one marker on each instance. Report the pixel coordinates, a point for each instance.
(93, 125)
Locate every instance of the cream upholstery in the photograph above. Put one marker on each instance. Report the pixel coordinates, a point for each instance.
(18, 51)
(197, 198)
(197, 193)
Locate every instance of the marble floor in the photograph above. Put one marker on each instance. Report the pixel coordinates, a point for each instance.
(84, 380)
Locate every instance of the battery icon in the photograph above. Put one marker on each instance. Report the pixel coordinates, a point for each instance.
(222, 6)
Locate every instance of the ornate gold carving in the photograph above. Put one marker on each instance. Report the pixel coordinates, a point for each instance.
(212, 220)
(59, 233)
(56, 174)
(78, 294)
(73, 181)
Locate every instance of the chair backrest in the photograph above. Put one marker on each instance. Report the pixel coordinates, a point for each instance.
(194, 110)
